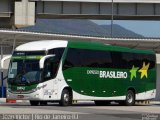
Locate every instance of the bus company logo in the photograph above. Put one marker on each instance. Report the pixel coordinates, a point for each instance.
(112, 74)
(20, 88)
(108, 74)
(143, 71)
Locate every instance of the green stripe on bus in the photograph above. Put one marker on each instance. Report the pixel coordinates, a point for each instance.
(27, 57)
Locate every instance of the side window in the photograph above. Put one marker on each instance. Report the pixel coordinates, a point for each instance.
(137, 59)
(57, 51)
(117, 61)
(50, 68)
(106, 59)
(152, 60)
(72, 59)
(87, 58)
(93, 58)
(127, 60)
(149, 59)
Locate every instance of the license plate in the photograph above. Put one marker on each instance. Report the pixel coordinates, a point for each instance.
(20, 96)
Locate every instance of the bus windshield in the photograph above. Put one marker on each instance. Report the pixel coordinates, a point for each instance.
(24, 69)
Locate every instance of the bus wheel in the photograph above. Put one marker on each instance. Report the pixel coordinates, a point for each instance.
(101, 103)
(130, 98)
(66, 98)
(34, 103)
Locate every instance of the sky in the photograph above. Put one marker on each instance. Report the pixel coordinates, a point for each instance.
(145, 28)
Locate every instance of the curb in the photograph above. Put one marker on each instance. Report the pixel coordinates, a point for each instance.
(155, 102)
(3, 100)
(23, 101)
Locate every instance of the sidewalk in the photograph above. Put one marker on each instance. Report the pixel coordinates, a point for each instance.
(3, 100)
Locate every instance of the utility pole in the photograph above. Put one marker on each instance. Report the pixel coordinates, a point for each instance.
(2, 82)
(112, 12)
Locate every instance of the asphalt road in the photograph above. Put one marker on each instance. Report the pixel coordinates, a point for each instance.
(81, 111)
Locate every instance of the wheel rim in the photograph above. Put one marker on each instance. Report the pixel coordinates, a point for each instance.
(66, 98)
(130, 98)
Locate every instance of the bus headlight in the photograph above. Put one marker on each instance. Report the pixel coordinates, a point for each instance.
(34, 90)
(36, 96)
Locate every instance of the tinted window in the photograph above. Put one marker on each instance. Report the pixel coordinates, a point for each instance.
(141, 58)
(137, 59)
(128, 60)
(117, 61)
(57, 51)
(73, 58)
(92, 58)
(50, 68)
(87, 58)
(106, 59)
(52, 64)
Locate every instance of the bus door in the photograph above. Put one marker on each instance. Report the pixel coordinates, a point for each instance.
(49, 76)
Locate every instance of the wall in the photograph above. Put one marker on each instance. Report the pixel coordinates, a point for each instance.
(158, 78)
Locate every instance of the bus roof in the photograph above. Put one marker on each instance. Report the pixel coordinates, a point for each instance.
(41, 45)
(101, 46)
(50, 44)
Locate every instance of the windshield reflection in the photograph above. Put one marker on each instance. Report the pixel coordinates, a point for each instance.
(24, 71)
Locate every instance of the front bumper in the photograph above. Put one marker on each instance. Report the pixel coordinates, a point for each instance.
(29, 96)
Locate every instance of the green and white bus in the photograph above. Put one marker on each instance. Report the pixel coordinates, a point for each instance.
(66, 71)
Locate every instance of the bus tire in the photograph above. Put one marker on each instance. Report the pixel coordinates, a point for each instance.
(34, 103)
(66, 98)
(130, 98)
(101, 103)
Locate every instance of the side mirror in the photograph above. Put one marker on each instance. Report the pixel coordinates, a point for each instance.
(42, 60)
(4, 59)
